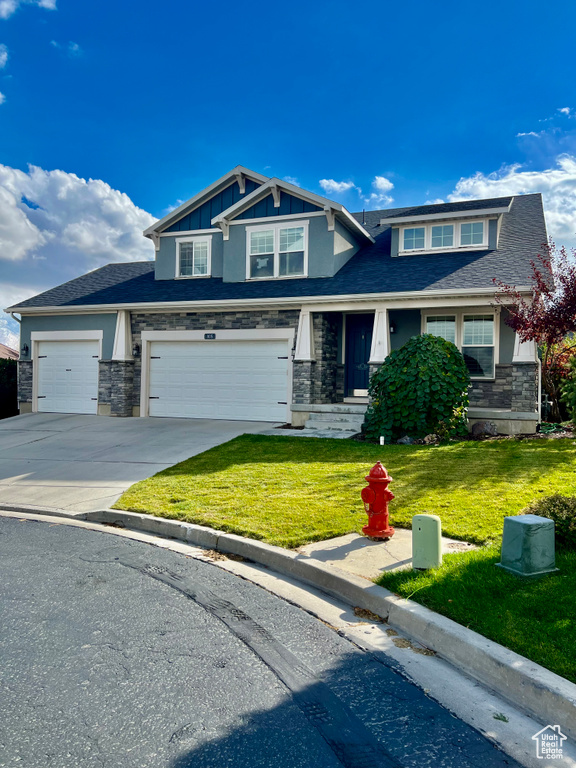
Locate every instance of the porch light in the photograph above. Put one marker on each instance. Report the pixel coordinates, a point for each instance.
(392, 328)
(135, 350)
(24, 350)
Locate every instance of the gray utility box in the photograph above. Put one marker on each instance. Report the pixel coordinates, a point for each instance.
(528, 545)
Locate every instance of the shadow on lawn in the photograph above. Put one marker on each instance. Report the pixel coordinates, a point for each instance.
(416, 469)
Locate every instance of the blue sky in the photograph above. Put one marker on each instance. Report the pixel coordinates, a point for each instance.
(375, 104)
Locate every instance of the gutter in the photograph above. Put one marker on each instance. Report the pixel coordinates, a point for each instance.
(284, 302)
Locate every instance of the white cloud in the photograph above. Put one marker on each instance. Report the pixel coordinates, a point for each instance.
(71, 49)
(557, 185)
(332, 187)
(8, 7)
(292, 180)
(379, 195)
(564, 110)
(530, 133)
(3, 55)
(2, 98)
(55, 226)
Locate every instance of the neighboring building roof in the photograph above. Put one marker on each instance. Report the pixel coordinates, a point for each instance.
(7, 353)
(371, 270)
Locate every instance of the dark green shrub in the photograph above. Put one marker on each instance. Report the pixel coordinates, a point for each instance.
(420, 389)
(561, 509)
(8, 388)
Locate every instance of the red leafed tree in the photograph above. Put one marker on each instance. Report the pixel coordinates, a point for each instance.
(548, 317)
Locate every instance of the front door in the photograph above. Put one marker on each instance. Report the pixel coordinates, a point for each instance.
(358, 345)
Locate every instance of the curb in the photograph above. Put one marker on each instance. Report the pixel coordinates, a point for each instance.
(546, 696)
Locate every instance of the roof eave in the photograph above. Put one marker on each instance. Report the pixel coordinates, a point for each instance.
(193, 202)
(451, 215)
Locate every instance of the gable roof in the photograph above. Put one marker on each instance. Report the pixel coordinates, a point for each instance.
(235, 174)
(271, 187)
(372, 270)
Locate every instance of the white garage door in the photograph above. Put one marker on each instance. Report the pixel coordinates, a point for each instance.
(68, 376)
(246, 380)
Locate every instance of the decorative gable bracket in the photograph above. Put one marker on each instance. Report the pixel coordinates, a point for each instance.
(330, 218)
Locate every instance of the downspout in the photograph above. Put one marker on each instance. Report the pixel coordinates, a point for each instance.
(13, 316)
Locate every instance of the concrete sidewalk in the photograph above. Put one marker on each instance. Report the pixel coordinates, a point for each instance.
(358, 555)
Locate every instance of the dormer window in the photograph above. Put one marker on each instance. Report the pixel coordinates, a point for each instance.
(193, 256)
(277, 250)
(465, 235)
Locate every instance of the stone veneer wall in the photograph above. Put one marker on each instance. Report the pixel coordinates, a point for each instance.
(25, 381)
(321, 380)
(116, 386)
(204, 321)
(515, 388)
(493, 394)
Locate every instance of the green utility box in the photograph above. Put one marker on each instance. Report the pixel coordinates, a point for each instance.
(528, 545)
(426, 542)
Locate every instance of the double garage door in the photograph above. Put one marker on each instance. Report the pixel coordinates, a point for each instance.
(240, 380)
(246, 380)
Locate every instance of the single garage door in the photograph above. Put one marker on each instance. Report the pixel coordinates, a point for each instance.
(68, 376)
(246, 380)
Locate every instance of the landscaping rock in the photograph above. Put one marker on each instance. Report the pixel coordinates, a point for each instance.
(429, 439)
(484, 429)
(405, 440)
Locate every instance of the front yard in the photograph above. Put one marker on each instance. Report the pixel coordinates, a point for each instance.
(291, 490)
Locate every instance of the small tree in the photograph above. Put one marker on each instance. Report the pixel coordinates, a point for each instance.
(420, 389)
(549, 317)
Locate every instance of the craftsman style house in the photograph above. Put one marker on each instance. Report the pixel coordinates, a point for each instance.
(267, 302)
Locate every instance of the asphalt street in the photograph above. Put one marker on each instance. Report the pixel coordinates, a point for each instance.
(117, 653)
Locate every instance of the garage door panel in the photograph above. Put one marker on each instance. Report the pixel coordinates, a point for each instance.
(67, 374)
(244, 380)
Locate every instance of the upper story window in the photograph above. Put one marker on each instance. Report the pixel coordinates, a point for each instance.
(193, 256)
(277, 250)
(430, 237)
(475, 337)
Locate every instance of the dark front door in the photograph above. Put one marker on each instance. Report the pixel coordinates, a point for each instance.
(358, 344)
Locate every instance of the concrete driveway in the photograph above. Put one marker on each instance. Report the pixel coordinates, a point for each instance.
(83, 463)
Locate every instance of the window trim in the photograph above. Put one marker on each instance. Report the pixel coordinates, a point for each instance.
(277, 226)
(427, 226)
(459, 315)
(192, 239)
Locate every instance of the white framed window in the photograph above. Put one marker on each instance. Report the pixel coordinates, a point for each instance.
(414, 238)
(475, 335)
(442, 236)
(193, 256)
(277, 250)
(458, 235)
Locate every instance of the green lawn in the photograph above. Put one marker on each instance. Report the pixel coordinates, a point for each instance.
(532, 617)
(293, 490)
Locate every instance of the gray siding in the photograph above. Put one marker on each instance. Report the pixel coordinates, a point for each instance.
(493, 234)
(165, 268)
(201, 217)
(345, 246)
(407, 323)
(395, 242)
(321, 259)
(507, 340)
(94, 322)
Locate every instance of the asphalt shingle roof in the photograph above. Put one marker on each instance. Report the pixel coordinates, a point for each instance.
(371, 270)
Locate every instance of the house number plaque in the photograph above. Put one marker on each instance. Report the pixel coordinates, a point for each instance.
(209, 336)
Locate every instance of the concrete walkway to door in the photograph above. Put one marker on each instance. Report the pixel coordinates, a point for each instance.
(83, 463)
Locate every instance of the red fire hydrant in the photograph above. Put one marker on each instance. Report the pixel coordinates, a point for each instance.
(376, 497)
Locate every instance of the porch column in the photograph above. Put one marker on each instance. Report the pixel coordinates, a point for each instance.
(122, 337)
(304, 360)
(305, 339)
(524, 351)
(380, 338)
(117, 375)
